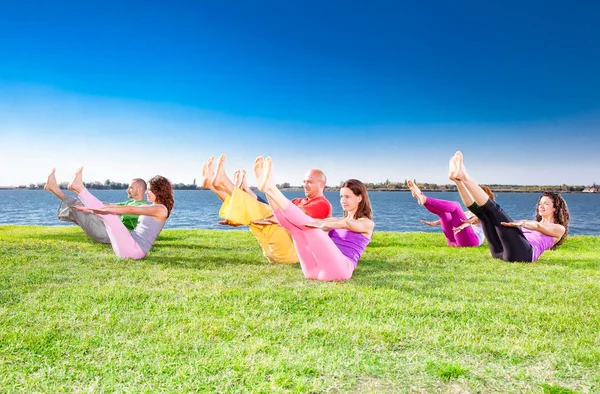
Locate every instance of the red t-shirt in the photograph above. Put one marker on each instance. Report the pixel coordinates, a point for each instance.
(316, 208)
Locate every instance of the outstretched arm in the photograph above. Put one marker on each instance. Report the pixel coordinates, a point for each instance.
(432, 224)
(550, 229)
(157, 211)
(363, 225)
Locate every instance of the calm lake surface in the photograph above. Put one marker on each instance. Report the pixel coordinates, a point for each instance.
(393, 211)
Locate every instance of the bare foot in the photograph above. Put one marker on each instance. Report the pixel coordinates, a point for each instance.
(461, 172)
(452, 168)
(258, 169)
(236, 177)
(416, 192)
(243, 183)
(208, 173)
(51, 184)
(76, 184)
(265, 182)
(220, 180)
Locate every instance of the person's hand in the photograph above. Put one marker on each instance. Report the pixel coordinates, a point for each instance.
(317, 224)
(432, 224)
(97, 211)
(464, 225)
(460, 228)
(266, 221)
(228, 223)
(518, 223)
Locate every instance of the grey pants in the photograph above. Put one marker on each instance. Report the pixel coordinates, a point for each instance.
(91, 224)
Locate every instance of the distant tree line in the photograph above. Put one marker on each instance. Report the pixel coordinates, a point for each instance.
(110, 185)
(387, 185)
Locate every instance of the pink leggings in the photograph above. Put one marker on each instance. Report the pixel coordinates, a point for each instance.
(319, 257)
(120, 238)
(451, 215)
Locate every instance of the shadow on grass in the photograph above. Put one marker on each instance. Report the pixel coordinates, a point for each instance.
(205, 261)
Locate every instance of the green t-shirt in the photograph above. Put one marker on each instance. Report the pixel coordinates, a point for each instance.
(130, 221)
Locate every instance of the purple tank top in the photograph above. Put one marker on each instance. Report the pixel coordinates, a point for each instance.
(351, 244)
(539, 242)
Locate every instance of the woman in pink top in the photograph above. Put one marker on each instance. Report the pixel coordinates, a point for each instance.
(330, 255)
(521, 240)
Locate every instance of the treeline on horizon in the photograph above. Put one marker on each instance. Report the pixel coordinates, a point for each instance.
(382, 186)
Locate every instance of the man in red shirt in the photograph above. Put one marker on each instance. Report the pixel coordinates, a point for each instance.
(241, 206)
(315, 204)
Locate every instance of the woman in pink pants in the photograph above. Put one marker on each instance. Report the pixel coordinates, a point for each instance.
(137, 243)
(459, 230)
(328, 249)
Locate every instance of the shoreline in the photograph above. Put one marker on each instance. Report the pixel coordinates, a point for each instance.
(334, 189)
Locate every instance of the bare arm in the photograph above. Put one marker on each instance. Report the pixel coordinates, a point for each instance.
(266, 221)
(157, 211)
(363, 225)
(472, 219)
(551, 229)
(432, 224)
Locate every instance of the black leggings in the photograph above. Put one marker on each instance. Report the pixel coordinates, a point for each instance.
(506, 243)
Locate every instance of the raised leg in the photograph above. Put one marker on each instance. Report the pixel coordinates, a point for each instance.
(120, 238)
(52, 186)
(416, 192)
(208, 173)
(451, 215)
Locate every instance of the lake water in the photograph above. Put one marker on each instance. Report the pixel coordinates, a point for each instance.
(393, 211)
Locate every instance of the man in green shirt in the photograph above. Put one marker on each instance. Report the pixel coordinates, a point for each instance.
(91, 224)
(135, 192)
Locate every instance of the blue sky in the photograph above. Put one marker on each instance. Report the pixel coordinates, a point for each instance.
(370, 90)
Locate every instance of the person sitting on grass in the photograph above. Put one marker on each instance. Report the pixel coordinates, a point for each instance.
(332, 255)
(137, 243)
(241, 206)
(521, 240)
(91, 224)
(461, 229)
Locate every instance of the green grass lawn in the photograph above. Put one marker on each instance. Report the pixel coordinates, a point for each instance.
(205, 312)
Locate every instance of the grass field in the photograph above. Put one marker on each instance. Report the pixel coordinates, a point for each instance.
(205, 312)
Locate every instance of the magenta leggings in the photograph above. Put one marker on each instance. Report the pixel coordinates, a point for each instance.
(319, 256)
(451, 215)
(120, 238)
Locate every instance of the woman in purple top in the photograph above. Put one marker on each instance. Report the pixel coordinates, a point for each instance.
(330, 255)
(521, 240)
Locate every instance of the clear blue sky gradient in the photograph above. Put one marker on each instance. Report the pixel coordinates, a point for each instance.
(374, 90)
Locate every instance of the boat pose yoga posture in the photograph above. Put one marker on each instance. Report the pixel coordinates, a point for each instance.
(332, 254)
(91, 224)
(241, 206)
(461, 229)
(521, 240)
(152, 218)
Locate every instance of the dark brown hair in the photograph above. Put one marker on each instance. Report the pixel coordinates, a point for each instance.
(561, 213)
(364, 206)
(163, 190)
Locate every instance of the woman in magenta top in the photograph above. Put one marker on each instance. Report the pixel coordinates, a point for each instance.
(330, 255)
(521, 240)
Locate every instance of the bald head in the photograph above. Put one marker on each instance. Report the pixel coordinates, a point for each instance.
(314, 183)
(136, 189)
